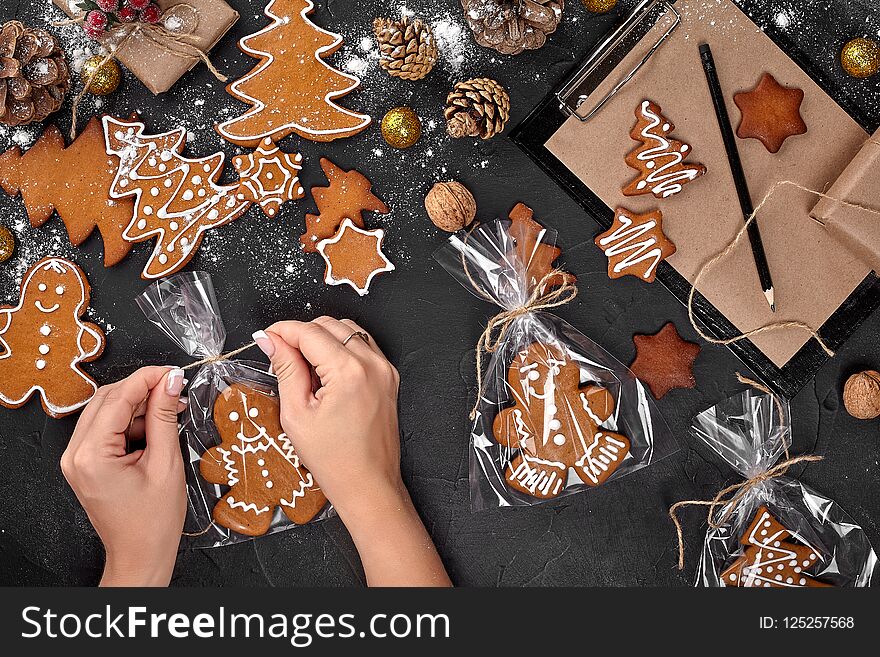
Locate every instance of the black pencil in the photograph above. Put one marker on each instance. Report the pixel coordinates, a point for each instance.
(739, 176)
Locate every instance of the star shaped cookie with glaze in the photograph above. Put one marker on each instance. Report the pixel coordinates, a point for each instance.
(665, 361)
(771, 113)
(354, 257)
(269, 177)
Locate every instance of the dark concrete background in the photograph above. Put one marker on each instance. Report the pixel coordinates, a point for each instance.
(616, 535)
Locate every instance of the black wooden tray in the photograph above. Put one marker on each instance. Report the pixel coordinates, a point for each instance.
(534, 131)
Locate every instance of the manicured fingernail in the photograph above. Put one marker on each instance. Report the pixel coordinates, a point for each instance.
(264, 343)
(175, 382)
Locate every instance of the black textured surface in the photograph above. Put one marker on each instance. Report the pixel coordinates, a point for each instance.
(617, 535)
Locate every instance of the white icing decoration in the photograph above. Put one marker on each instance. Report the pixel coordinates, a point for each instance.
(361, 121)
(253, 412)
(233, 416)
(330, 277)
(42, 287)
(45, 329)
(43, 349)
(41, 364)
(635, 241)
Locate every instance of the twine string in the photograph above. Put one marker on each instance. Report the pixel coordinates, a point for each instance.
(497, 327)
(735, 242)
(210, 360)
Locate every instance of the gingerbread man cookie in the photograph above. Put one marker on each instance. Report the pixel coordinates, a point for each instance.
(769, 560)
(258, 463)
(659, 159)
(556, 424)
(43, 340)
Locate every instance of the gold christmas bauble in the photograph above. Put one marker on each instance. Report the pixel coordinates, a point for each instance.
(103, 77)
(401, 127)
(861, 57)
(7, 243)
(599, 6)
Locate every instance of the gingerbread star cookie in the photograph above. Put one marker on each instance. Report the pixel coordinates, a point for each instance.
(532, 249)
(269, 177)
(347, 196)
(659, 159)
(354, 257)
(556, 424)
(635, 244)
(770, 113)
(665, 361)
(43, 340)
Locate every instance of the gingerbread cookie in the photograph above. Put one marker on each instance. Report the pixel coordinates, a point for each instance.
(533, 251)
(257, 461)
(659, 160)
(771, 113)
(347, 196)
(665, 361)
(770, 560)
(354, 257)
(43, 341)
(74, 182)
(268, 177)
(556, 425)
(635, 244)
(293, 89)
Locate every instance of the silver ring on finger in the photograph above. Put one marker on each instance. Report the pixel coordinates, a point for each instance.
(363, 336)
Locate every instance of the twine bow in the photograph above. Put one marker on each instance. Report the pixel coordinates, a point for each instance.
(170, 42)
(497, 327)
(737, 492)
(210, 360)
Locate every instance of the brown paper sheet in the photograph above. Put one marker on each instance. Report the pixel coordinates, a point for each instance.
(859, 183)
(812, 272)
(154, 65)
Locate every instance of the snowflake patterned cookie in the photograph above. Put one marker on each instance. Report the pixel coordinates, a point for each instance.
(269, 177)
(556, 425)
(43, 341)
(770, 560)
(659, 159)
(257, 461)
(354, 257)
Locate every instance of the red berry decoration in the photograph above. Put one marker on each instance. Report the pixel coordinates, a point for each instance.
(127, 15)
(108, 5)
(97, 20)
(138, 4)
(93, 32)
(151, 14)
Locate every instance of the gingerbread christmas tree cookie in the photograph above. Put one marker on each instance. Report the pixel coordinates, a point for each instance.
(256, 459)
(347, 196)
(43, 340)
(659, 159)
(771, 113)
(556, 424)
(73, 181)
(533, 250)
(770, 559)
(665, 361)
(354, 257)
(293, 89)
(635, 244)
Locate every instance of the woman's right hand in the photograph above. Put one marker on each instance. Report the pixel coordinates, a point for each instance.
(339, 407)
(342, 420)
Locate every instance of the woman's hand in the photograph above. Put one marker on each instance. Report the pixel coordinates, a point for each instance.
(137, 501)
(339, 407)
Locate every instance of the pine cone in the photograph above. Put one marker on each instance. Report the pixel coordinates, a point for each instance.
(477, 108)
(511, 26)
(33, 74)
(407, 49)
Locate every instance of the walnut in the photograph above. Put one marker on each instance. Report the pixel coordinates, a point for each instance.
(861, 395)
(450, 206)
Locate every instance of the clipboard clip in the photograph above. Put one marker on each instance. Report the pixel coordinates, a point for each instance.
(644, 16)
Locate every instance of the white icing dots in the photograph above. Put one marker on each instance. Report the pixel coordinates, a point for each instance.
(213, 214)
(188, 195)
(43, 349)
(269, 484)
(265, 473)
(173, 225)
(196, 180)
(59, 290)
(45, 329)
(261, 462)
(168, 182)
(142, 224)
(163, 258)
(41, 364)
(253, 412)
(154, 191)
(555, 425)
(533, 376)
(559, 439)
(42, 287)
(148, 210)
(207, 168)
(233, 417)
